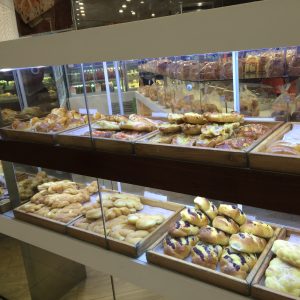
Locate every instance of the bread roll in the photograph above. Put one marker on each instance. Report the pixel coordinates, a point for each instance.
(250, 258)
(234, 265)
(179, 247)
(169, 128)
(195, 217)
(225, 224)
(190, 129)
(224, 117)
(206, 206)
(287, 252)
(182, 229)
(175, 118)
(211, 235)
(194, 118)
(233, 212)
(258, 228)
(206, 255)
(248, 243)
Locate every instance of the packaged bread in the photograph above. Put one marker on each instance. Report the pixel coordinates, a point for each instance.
(275, 67)
(251, 64)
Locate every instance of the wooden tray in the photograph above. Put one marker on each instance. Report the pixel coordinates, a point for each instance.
(41, 221)
(74, 138)
(124, 247)
(201, 154)
(258, 290)
(242, 286)
(258, 159)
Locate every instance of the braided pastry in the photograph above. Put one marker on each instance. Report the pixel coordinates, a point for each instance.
(225, 224)
(258, 228)
(135, 237)
(179, 247)
(195, 217)
(233, 212)
(213, 236)
(248, 243)
(206, 206)
(182, 229)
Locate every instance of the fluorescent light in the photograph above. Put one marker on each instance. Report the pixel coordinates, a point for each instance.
(80, 3)
(121, 11)
(142, 2)
(133, 12)
(199, 4)
(152, 15)
(78, 14)
(124, 5)
(83, 15)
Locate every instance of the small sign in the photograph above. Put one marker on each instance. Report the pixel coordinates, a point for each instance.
(155, 196)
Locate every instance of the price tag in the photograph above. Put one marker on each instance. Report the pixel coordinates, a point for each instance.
(155, 196)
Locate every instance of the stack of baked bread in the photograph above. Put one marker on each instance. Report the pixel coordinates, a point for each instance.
(123, 221)
(214, 130)
(283, 273)
(212, 237)
(61, 200)
(121, 127)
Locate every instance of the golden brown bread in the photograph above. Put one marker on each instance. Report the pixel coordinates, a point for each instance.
(249, 243)
(179, 247)
(288, 252)
(195, 217)
(206, 206)
(190, 129)
(169, 128)
(258, 228)
(225, 224)
(211, 235)
(194, 118)
(175, 118)
(233, 212)
(224, 117)
(183, 228)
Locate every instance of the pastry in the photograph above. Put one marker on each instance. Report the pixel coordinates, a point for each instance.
(206, 255)
(225, 224)
(211, 235)
(169, 128)
(233, 212)
(175, 118)
(182, 229)
(162, 138)
(179, 247)
(194, 217)
(93, 214)
(144, 221)
(213, 130)
(253, 131)
(106, 125)
(190, 129)
(128, 202)
(115, 212)
(183, 140)
(194, 118)
(120, 232)
(249, 258)
(210, 142)
(258, 228)
(136, 236)
(206, 206)
(237, 143)
(31, 207)
(224, 117)
(137, 126)
(283, 277)
(287, 252)
(248, 243)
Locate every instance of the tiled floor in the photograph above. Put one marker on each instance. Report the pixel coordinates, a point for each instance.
(97, 286)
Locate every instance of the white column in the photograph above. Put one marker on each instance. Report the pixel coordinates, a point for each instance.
(8, 23)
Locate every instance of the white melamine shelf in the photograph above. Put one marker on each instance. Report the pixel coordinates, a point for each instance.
(154, 106)
(166, 283)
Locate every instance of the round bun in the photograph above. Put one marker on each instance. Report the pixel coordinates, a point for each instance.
(249, 258)
(206, 206)
(195, 217)
(224, 117)
(190, 129)
(206, 255)
(249, 243)
(258, 228)
(182, 229)
(233, 212)
(225, 224)
(194, 118)
(179, 247)
(213, 236)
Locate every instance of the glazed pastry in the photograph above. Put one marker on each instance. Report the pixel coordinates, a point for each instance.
(145, 221)
(258, 228)
(250, 258)
(248, 243)
(179, 247)
(287, 252)
(233, 212)
(137, 126)
(182, 229)
(225, 224)
(194, 118)
(114, 212)
(224, 117)
(211, 235)
(169, 128)
(135, 237)
(175, 118)
(206, 255)
(194, 217)
(106, 125)
(283, 277)
(206, 206)
(190, 129)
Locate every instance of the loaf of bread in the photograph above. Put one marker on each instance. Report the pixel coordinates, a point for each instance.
(206, 206)
(191, 129)
(175, 118)
(225, 224)
(206, 255)
(211, 235)
(195, 217)
(179, 247)
(233, 212)
(183, 228)
(169, 128)
(194, 118)
(287, 252)
(248, 243)
(258, 228)
(224, 117)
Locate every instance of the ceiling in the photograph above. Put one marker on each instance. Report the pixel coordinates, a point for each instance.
(91, 13)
